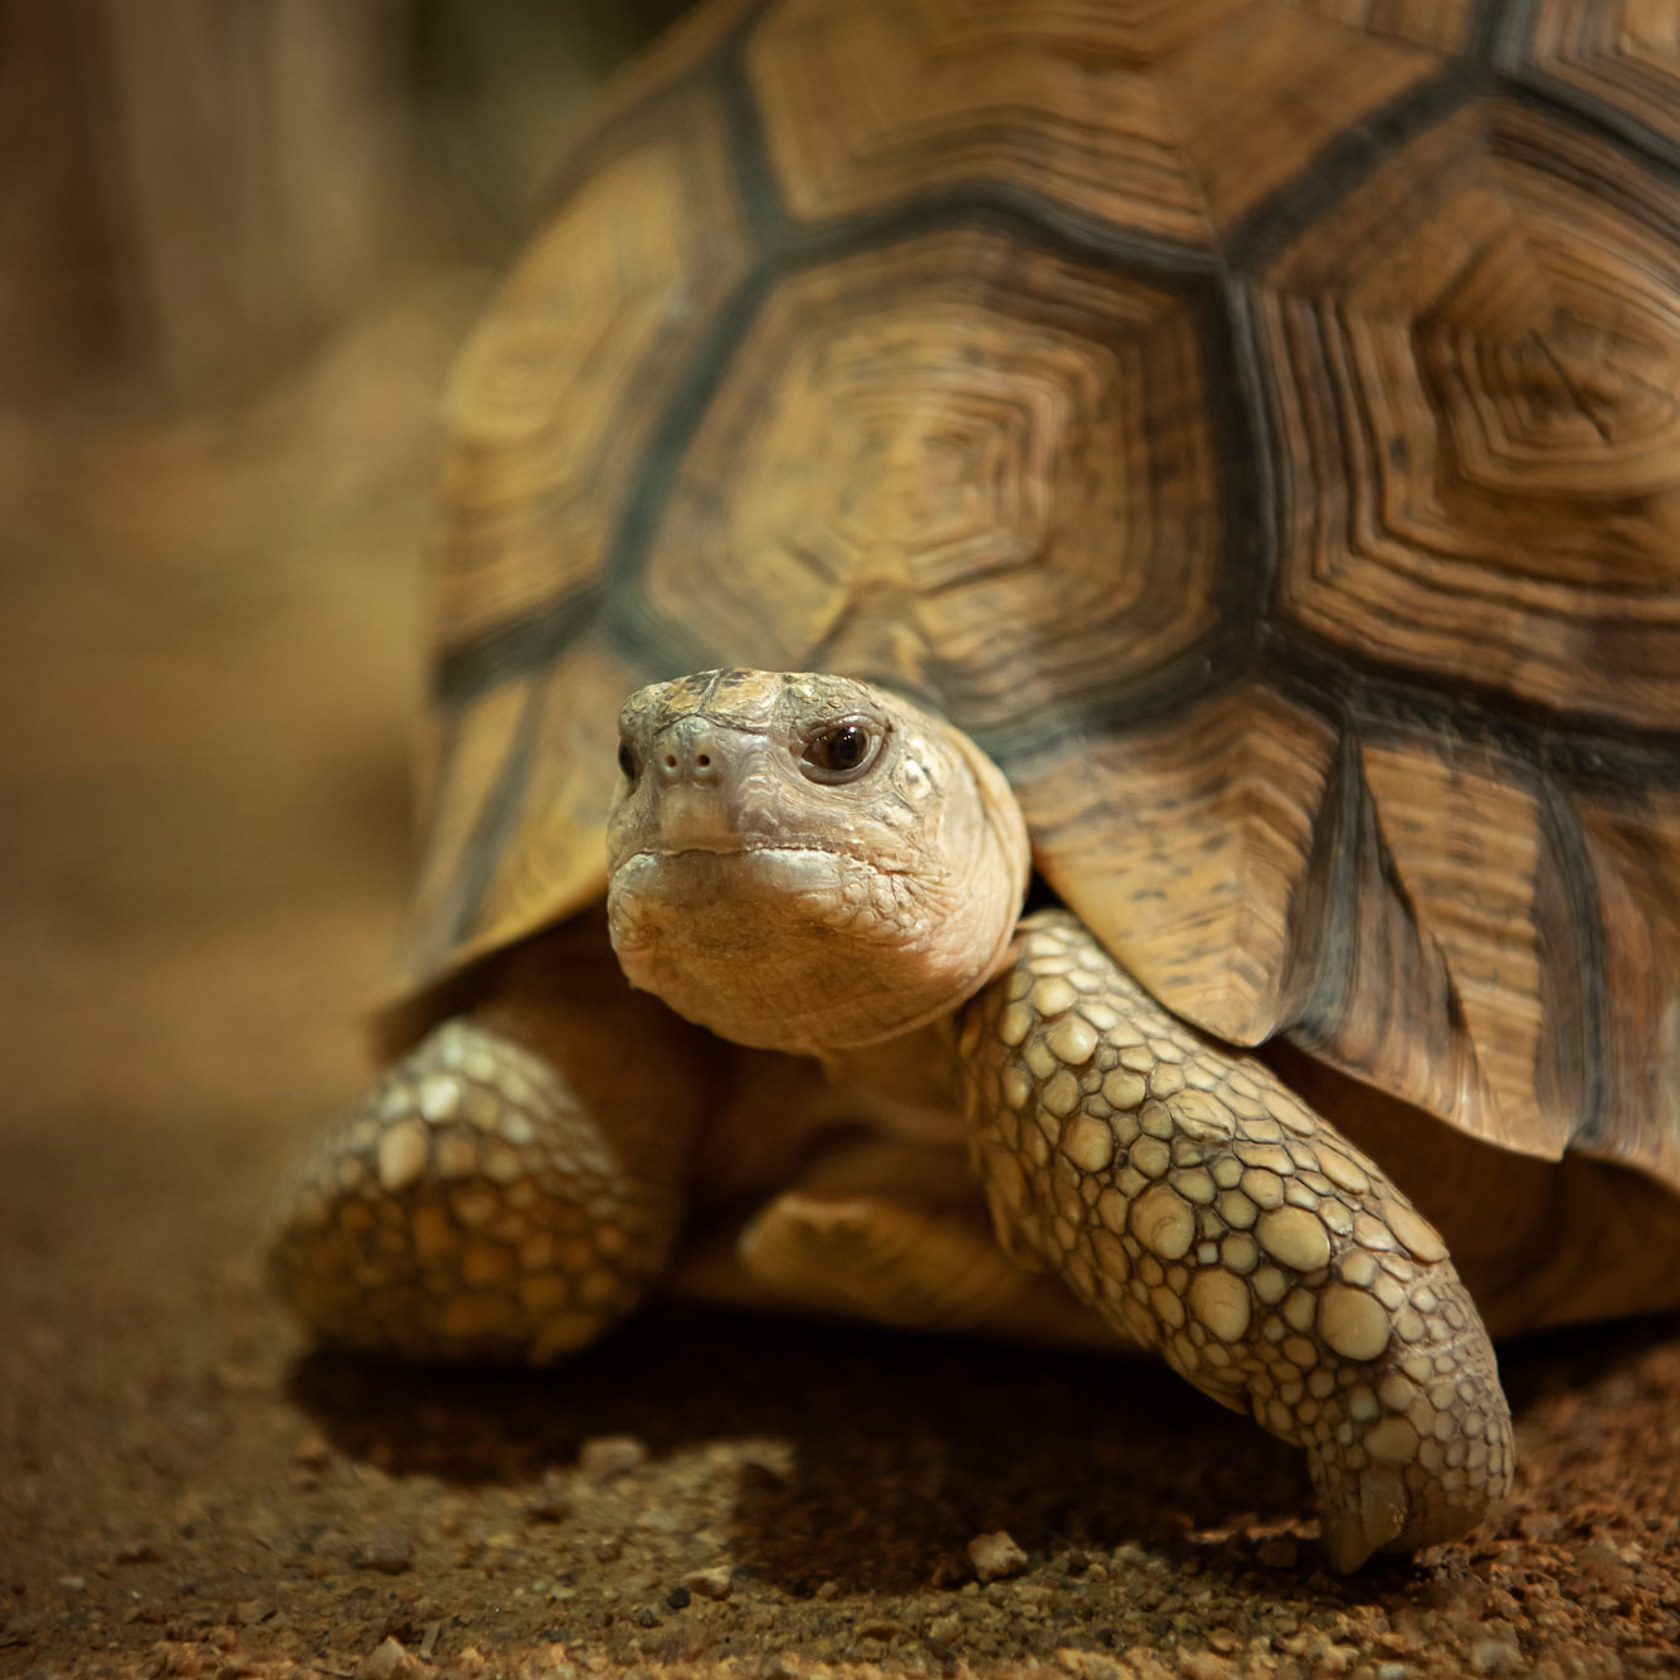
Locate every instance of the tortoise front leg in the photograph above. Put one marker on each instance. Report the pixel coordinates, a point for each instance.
(1203, 1210)
(514, 1183)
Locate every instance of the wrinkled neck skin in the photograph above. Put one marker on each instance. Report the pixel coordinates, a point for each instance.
(789, 900)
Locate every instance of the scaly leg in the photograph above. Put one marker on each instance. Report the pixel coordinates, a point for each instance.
(1184, 1193)
(514, 1183)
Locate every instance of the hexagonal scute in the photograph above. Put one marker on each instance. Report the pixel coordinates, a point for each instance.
(1165, 122)
(557, 390)
(1476, 396)
(960, 463)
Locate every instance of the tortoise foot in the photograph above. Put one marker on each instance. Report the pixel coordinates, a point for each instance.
(468, 1207)
(881, 1258)
(1413, 1449)
(1206, 1212)
(890, 1232)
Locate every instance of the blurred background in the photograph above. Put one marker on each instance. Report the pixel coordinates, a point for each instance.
(239, 240)
(198, 191)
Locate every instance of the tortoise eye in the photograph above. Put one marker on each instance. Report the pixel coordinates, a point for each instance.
(842, 751)
(627, 761)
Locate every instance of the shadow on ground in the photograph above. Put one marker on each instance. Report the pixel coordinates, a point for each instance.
(886, 1446)
(890, 1445)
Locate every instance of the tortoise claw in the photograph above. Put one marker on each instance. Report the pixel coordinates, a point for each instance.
(1374, 1517)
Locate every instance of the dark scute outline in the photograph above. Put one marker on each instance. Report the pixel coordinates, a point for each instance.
(1509, 52)
(1389, 702)
(520, 646)
(464, 671)
(1326, 927)
(496, 818)
(1575, 997)
(1344, 165)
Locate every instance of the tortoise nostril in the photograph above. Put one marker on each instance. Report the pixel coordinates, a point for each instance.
(691, 755)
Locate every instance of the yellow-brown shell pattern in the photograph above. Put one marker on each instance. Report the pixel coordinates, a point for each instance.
(1258, 424)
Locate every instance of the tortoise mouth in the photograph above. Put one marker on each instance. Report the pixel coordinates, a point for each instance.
(731, 849)
(713, 874)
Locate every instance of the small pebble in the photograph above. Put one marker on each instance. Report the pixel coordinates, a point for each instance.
(882, 1630)
(678, 1598)
(996, 1555)
(1493, 1656)
(611, 1455)
(1206, 1665)
(709, 1583)
(390, 1553)
(389, 1662)
(312, 1453)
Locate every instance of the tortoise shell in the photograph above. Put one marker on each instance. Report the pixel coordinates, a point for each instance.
(1258, 424)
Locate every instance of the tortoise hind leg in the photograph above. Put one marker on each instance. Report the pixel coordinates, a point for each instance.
(1205, 1211)
(892, 1232)
(512, 1185)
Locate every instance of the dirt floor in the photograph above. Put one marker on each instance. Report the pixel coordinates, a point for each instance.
(205, 670)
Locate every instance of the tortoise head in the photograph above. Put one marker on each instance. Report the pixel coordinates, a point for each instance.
(807, 863)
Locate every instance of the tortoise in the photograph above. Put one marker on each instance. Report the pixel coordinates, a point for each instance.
(1210, 471)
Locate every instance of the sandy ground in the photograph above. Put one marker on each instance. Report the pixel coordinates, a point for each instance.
(205, 671)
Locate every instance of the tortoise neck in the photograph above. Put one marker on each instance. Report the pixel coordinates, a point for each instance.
(914, 1071)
